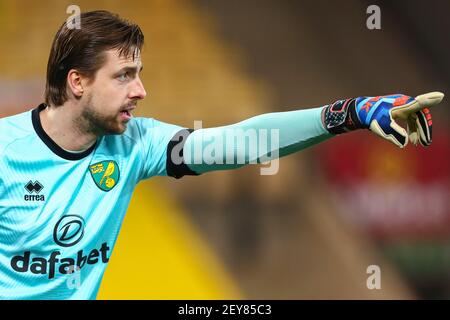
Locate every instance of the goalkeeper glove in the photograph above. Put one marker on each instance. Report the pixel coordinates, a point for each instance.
(379, 115)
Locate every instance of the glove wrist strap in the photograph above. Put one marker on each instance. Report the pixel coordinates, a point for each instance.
(340, 117)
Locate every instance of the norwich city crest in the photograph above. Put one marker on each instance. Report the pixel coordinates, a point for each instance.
(106, 174)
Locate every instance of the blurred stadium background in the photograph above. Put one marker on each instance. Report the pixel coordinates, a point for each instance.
(312, 230)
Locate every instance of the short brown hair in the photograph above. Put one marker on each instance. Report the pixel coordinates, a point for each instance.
(83, 49)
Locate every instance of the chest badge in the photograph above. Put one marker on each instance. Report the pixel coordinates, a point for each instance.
(106, 174)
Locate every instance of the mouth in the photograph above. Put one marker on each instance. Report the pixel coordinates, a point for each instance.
(126, 113)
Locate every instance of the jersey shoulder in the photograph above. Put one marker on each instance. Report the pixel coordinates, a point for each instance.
(13, 128)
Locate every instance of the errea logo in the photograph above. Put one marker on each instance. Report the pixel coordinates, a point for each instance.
(34, 188)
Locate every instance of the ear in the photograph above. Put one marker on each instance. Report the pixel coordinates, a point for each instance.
(74, 83)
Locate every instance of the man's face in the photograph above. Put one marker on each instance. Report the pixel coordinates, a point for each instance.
(111, 97)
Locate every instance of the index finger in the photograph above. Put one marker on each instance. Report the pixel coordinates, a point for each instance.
(425, 100)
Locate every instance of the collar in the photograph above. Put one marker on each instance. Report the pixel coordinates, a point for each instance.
(52, 144)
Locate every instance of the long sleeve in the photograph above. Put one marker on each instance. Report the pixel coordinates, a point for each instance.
(255, 140)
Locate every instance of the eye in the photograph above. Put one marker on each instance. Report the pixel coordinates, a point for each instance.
(123, 76)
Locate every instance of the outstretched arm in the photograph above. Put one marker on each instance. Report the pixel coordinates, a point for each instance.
(255, 140)
(273, 135)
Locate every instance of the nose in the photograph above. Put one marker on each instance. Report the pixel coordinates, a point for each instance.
(138, 91)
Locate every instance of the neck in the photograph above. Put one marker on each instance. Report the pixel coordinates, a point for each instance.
(61, 125)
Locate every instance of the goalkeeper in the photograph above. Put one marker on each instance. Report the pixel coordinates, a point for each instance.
(68, 167)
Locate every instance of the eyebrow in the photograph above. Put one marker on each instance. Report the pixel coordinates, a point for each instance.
(130, 69)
